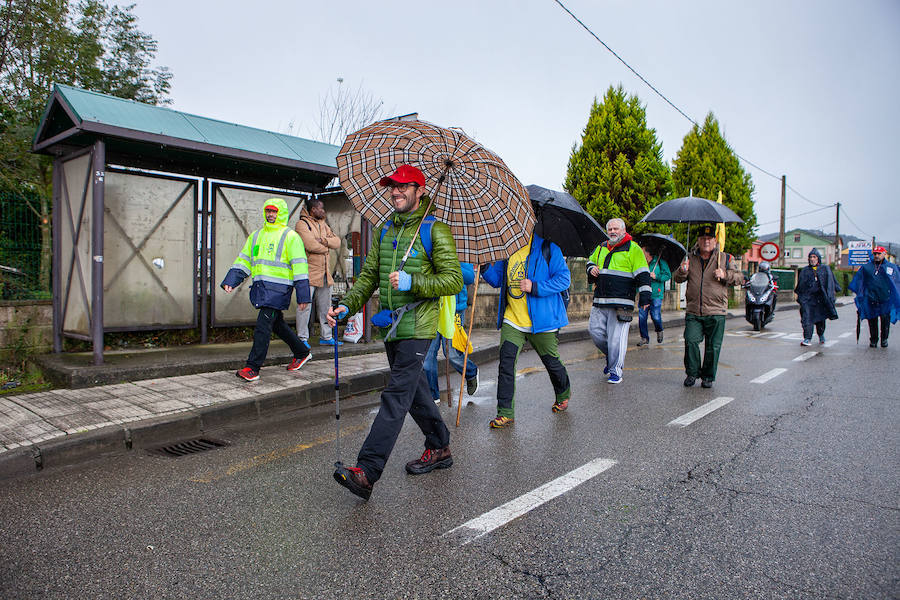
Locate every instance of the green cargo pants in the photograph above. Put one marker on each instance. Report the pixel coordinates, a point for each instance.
(547, 347)
(710, 329)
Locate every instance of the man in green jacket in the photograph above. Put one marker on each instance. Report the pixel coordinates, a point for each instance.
(659, 275)
(409, 302)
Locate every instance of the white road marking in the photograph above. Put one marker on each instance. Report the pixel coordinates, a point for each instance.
(805, 356)
(770, 375)
(846, 334)
(700, 412)
(500, 516)
(768, 334)
(830, 343)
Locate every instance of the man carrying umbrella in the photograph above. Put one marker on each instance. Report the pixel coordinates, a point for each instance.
(877, 289)
(411, 297)
(618, 270)
(707, 301)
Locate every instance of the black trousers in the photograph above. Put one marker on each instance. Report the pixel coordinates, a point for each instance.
(885, 328)
(271, 320)
(406, 392)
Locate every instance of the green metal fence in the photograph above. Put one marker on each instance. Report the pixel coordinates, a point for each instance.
(21, 248)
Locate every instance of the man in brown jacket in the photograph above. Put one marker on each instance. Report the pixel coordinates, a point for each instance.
(709, 273)
(318, 239)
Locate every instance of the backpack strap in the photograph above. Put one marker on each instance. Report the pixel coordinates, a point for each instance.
(424, 232)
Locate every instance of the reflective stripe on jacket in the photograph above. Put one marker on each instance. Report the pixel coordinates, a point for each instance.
(275, 260)
(623, 276)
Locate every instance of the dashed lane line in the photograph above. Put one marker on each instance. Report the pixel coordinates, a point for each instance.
(768, 376)
(846, 334)
(700, 412)
(482, 525)
(805, 356)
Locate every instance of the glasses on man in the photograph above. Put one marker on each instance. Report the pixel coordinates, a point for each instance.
(402, 187)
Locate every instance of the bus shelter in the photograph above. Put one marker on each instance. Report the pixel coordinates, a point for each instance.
(151, 205)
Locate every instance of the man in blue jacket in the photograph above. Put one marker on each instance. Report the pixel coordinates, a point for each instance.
(877, 288)
(456, 357)
(532, 310)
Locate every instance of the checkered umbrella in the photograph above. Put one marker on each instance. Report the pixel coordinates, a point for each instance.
(472, 189)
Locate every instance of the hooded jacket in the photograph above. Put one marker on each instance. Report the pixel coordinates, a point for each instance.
(877, 289)
(275, 259)
(706, 295)
(431, 278)
(816, 289)
(312, 230)
(545, 304)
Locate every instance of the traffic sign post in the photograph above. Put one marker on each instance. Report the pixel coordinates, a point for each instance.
(859, 253)
(769, 251)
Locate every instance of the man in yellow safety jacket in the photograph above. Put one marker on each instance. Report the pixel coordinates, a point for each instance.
(276, 260)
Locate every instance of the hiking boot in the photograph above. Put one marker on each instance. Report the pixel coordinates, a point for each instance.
(659, 337)
(299, 362)
(355, 480)
(305, 343)
(613, 378)
(606, 369)
(822, 339)
(689, 381)
(499, 422)
(884, 343)
(560, 405)
(805, 342)
(706, 383)
(430, 460)
(248, 374)
(643, 342)
(873, 344)
(472, 385)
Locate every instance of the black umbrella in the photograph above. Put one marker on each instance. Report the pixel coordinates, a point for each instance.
(563, 221)
(691, 210)
(665, 246)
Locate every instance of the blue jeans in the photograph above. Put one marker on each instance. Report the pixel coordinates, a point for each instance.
(655, 312)
(456, 359)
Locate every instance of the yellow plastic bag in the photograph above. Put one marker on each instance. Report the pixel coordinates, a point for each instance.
(446, 310)
(460, 339)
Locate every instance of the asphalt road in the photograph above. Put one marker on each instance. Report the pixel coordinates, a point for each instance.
(787, 489)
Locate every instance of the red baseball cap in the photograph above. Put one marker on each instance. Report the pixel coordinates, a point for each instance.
(880, 249)
(270, 207)
(404, 174)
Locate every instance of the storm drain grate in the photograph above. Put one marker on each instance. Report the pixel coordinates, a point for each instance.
(187, 447)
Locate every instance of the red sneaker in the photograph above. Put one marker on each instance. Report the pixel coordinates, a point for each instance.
(298, 362)
(248, 374)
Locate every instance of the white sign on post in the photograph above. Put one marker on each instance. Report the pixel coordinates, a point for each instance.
(769, 251)
(858, 253)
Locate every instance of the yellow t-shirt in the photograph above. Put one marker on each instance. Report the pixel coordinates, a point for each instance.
(516, 307)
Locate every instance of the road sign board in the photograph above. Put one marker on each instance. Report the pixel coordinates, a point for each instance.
(859, 253)
(769, 251)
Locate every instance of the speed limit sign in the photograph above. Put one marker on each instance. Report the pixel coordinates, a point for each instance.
(769, 251)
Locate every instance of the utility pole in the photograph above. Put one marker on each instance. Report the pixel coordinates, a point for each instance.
(781, 231)
(837, 234)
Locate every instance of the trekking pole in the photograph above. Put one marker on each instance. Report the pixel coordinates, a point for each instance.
(337, 390)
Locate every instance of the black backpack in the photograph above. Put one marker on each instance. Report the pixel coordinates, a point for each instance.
(545, 250)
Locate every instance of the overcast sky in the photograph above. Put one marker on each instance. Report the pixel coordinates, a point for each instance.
(808, 89)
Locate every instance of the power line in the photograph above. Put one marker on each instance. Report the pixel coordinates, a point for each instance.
(807, 199)
(669, 102)
(613, 52)
(858, 228)
(795, 216)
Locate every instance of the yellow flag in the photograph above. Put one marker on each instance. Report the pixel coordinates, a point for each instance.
(720, 229)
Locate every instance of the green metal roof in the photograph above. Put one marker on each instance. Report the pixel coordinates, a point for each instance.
(72, 112)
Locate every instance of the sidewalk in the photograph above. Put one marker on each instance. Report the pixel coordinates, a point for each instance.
(182, 393)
